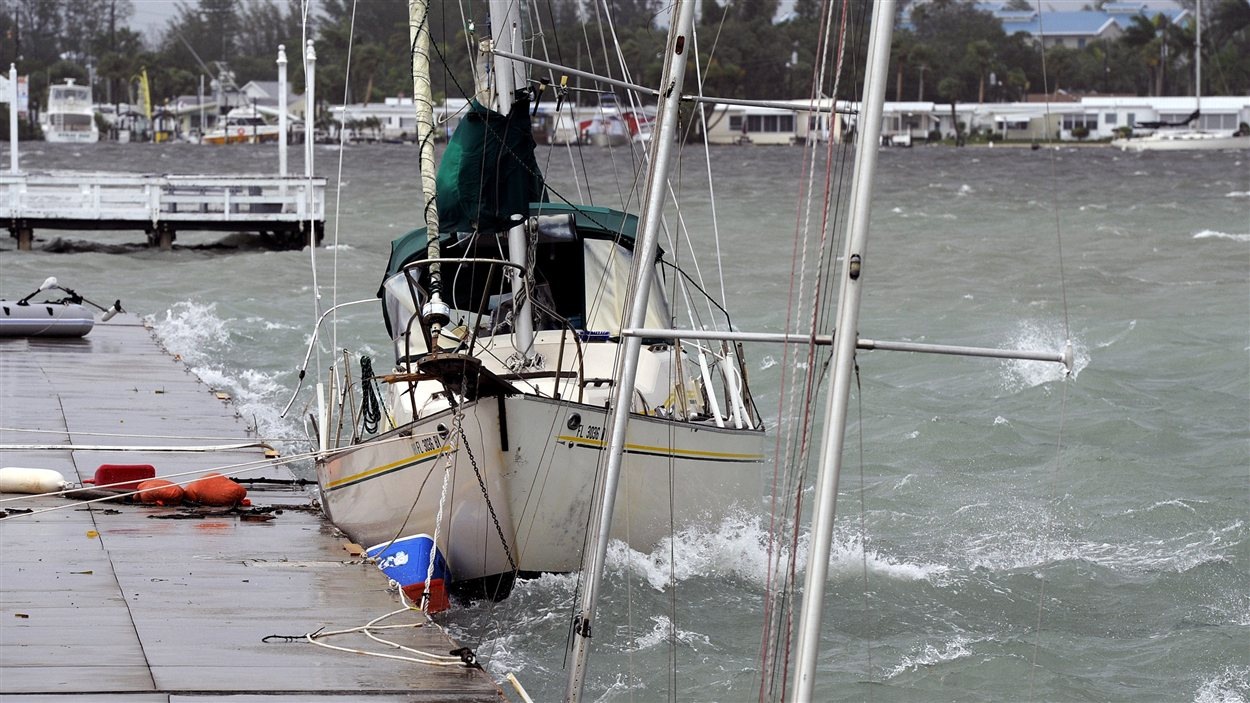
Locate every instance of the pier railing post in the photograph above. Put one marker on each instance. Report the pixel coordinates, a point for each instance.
(13, 97)
(282, 110)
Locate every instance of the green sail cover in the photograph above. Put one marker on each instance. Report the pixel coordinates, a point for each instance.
(488, 172)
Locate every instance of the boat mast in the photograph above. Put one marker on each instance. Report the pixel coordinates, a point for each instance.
(664, 136)
(505, 23)
(1198, 64)
(435, 312)
(845, 339)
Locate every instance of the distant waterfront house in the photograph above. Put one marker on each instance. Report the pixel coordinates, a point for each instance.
(738, 124)
(265, 93)
(392, 119)
(1221, 114)
(1076, 29)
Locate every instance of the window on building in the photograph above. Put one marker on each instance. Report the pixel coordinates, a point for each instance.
(1219, 122)
(1087, 121)
(1174, 116)
(1110, 119)
(735, 123)
(769, 123)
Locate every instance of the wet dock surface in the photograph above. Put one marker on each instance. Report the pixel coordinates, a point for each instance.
(125, 602)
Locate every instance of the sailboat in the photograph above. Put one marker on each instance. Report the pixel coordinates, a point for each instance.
(1182, 135)
(506, 314)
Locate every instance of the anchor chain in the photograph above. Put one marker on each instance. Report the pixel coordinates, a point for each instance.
(486, 495)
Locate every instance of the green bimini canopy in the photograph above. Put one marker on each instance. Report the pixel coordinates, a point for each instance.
(592, 223)
(488, 172)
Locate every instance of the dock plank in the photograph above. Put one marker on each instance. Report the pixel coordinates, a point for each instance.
(112, 602)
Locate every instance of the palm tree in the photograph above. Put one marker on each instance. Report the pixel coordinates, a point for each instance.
(1157, 41)
(901, 48)
(980, 56)
(920, 57)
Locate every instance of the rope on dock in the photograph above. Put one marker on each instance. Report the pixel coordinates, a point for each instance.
(462, 657)
(227, 470)
(131, 448)
(30, 430)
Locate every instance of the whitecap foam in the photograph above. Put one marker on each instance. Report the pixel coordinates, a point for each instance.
(739, 548)
(1212, 234)
(1232, 685)
(1173, 503)
(767, 362)
(663, 631)
(1238, 194)
(1025, 537)
(932, 655)
(1132, 325)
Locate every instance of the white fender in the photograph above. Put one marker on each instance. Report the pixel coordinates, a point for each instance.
(17, 479)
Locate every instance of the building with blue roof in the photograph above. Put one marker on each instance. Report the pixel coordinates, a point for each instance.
(1077, 28)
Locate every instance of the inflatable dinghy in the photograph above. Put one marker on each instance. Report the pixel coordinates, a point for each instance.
(67, 317)
(60, 319)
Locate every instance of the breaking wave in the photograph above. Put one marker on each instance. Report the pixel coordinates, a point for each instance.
(201, 337)
(931, 655)
(1212, 234)
(739, 548)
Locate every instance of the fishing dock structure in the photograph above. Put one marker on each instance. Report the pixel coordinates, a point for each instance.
(288, 212)
(282, 210)
(117, 601)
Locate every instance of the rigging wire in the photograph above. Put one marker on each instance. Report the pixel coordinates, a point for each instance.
(338, 186)
(310, 114)
(789, 471)
(1052, 488)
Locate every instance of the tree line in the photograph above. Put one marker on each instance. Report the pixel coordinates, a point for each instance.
(948, 50)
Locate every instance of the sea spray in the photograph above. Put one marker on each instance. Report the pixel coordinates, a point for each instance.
(202, 338)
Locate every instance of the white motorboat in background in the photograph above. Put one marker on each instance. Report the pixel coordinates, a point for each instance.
(70, 117)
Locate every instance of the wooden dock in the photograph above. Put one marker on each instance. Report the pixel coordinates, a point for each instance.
(121, 602)
(281, 210)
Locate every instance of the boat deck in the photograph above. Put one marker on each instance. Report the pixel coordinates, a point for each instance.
(123, 602)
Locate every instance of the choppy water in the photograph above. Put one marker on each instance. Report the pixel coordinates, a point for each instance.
(1123, 531)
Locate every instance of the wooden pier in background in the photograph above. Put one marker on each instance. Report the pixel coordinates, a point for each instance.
(282, 210)
(118, 602)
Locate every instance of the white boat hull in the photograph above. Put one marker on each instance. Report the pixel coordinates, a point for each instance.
(538, 459)
(1182, 141)
(241, 135)
(64, 136)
